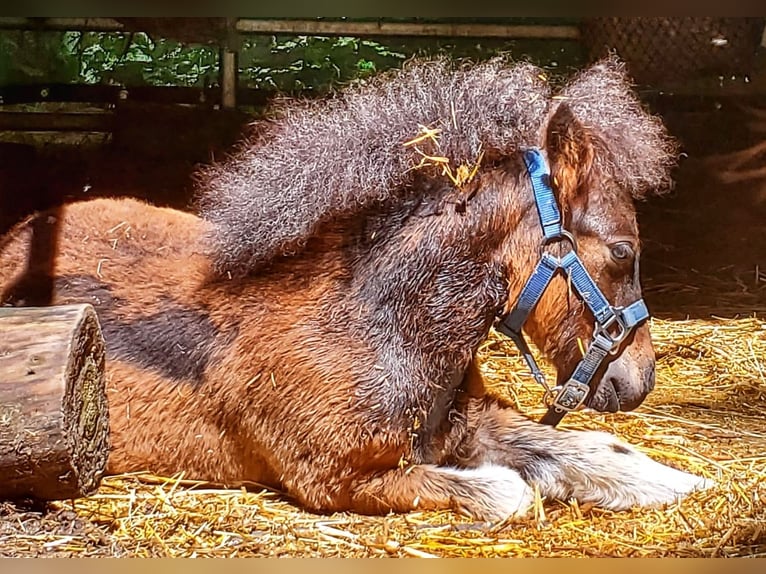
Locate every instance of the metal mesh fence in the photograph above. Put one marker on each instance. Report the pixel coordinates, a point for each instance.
(671, 50)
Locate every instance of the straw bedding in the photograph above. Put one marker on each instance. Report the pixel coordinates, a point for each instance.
(706, 416)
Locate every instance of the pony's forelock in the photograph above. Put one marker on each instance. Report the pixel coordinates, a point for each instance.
(634, 147)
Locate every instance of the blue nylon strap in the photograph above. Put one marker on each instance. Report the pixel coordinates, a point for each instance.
(547, 207)
(590, 363)
(586, 287)
(573, 393)
(634, 313)
(631, 315)
(531, 293)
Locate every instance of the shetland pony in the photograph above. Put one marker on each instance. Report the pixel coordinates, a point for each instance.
(315, 327)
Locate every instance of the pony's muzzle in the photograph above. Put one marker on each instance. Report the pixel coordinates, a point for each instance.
(624, 386)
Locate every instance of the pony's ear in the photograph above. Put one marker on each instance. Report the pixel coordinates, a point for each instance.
(569, 146)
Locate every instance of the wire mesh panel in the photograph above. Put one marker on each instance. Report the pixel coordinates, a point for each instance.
(671, 50)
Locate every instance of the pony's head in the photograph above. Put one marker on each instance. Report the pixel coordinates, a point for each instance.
(604, 151)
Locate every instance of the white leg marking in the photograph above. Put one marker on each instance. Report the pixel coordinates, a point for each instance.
(491, 492)
(603, 470)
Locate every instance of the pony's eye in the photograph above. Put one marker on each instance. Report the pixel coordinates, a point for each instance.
(622, 251)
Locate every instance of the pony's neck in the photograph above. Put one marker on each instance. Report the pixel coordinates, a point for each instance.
(428, 279)
(430, 269)
(427, 289)
(432, 278)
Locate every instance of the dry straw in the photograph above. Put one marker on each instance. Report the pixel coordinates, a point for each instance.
(705, 416)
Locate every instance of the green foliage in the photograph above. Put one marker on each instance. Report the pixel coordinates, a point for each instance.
(288, 64)
(98, 57)
(316, 63)
(137, 59)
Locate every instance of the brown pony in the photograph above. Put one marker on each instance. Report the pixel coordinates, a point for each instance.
(315, 330)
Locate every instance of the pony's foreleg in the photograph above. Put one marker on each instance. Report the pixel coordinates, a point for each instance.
(486, 492)
(589, 466)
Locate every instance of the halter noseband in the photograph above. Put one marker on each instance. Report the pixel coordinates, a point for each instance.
(613, 324)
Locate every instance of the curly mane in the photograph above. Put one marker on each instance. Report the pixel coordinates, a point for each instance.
(318, 159)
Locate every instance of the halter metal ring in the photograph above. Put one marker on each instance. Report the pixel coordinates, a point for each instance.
(605, 329)
(550, 394)
(563, 235)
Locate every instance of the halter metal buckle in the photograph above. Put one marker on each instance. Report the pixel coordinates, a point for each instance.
(569, 397)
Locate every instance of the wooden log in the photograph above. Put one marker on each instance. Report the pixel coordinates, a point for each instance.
(54, 422)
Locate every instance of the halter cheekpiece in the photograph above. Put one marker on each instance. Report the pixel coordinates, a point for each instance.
(613, 324)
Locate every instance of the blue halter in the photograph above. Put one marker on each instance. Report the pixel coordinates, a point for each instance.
(613, 324)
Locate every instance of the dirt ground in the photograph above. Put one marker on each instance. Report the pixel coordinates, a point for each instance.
(704, 254)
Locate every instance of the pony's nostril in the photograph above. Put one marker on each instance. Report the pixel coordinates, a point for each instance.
(626, 401)
(606, 399)
(614, 400)
(649, 378)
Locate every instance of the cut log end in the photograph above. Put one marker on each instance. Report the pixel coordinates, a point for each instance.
(86, 414)
(54, 424)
